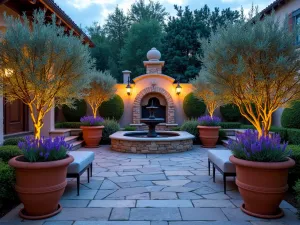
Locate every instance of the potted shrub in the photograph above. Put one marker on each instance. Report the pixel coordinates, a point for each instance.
(92, 130)
(209, 127)
(262, 165)
(41, 175)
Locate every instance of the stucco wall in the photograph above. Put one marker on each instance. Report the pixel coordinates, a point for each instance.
(148, 80)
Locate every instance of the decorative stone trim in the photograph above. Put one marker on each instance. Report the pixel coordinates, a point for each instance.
(170, 109)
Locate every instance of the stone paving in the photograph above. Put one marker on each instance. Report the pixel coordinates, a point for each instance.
(136, 189)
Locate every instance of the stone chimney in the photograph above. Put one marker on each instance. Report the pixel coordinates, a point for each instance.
(153, 65)
(126, 75)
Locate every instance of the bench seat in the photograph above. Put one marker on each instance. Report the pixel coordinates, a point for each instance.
(83, 160)
(220, 160)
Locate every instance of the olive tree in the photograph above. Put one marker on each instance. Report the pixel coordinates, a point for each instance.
(255, 65)
(101, 89)
(40, 62)
(205, 91)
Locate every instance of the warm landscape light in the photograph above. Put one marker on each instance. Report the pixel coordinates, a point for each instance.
(178, 88)
(128, 87)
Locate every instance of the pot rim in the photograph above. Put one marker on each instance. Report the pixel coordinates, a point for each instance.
(263, 165)
(91, 127)
(39, 165)
(209, 127)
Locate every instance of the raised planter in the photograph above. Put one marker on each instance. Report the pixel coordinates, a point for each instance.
(40, 186)
(92, 135)
(209, 135)
(262, 186)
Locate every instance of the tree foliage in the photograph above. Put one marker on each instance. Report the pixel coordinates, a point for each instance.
(181, 45)
(141, 38)
(254, 64)
(101, 89)
(39, 62)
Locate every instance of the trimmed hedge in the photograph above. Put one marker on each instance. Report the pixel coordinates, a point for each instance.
(290, 117)
(230, 113)
(297, 194)
(110, 127)
(112, 109)
(9, 151)
(74, 114)
(13, 141)
(70, 125)
(129, 128)
(230, 125)
(7, 183)
(193, 107)
(191, 127)
(293, 136)
(294, 173)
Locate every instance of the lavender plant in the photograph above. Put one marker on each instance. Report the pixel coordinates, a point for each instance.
(213, 121)
(249, 146)
(44, 149)
(91, 121)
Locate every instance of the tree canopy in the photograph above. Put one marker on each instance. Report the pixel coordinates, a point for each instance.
(255, 65)
(39, 62)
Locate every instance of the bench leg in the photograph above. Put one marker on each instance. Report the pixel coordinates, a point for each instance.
(224, 181)
(88, 174)
(78, 183)
(208, 167)
(91, 169)
(214, 174)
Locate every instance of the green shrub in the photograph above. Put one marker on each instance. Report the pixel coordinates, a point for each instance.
(193, 107)
(7, 182)
(246, 126)
(281, 131)
(175, 128)
(74, 114)
(222, 136)
(297, 195)
(294, 173)
(230, 125)
(13, 141)
(9, 151)
(293, 136)
(110, 127)
(129, 128)
(113, 108)
(191, 127)
(230, 113)
(74, 125)
(290, 117)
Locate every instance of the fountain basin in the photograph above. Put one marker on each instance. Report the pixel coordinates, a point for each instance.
(138, 142)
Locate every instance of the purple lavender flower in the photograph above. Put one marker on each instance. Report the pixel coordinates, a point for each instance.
(91, 121)
(209, 121)
(44, 149)
(249, 146)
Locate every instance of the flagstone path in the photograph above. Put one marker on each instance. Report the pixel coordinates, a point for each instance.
(171, 189)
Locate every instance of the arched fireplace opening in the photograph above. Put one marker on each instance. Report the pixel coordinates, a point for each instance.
(160, 112)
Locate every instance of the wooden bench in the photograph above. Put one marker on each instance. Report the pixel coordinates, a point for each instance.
(220, 160)
(83, 161)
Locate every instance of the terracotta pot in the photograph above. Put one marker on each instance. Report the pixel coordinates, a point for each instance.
(40, 186)
(92, 135)
(208, 136)
(262, 186)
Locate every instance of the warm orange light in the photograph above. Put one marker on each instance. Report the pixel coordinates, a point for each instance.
(178, 88)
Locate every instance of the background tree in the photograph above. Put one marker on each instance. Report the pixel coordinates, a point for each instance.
(206, 92)
(181, 45)
(141, 11)
(101, 89)
(255, 65)
(141, 38)
(39, 62)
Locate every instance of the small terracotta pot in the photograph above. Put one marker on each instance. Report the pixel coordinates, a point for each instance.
(208, 136)
(40, 186)
(262, 186)
(92, 135)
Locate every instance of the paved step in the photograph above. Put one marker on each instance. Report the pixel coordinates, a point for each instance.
(60, 132)
(77, 145)
(20, 134)
(71, 139)
(75, 132)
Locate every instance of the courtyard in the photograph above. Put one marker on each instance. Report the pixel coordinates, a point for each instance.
(152, 189)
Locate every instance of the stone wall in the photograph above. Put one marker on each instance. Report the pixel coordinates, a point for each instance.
(150, 147)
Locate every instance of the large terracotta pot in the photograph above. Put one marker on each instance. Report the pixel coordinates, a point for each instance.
(208, 136)
(262, 186)
(40, 186)
(92, 135)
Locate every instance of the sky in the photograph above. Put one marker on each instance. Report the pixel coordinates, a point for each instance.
(85, 12)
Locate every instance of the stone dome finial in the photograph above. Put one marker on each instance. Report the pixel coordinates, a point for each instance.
(153, 55)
